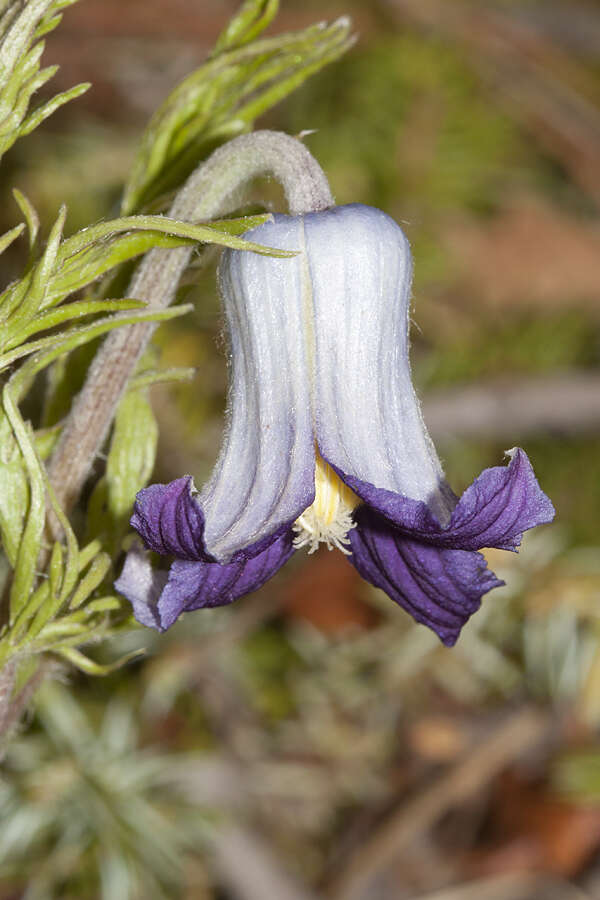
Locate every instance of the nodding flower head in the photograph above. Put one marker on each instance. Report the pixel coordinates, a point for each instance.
(325, 442)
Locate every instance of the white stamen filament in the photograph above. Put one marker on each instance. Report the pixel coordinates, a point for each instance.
(329, 519)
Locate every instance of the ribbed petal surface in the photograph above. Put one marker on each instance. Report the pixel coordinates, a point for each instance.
(494, 511)
(158, 600)
(368, 420)
(440, 588)
(169, 519)
(264, 477)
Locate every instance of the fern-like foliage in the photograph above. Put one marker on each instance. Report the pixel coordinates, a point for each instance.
(23, 24)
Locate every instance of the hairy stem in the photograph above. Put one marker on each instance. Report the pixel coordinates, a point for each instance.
(12, 706)
(210, 192)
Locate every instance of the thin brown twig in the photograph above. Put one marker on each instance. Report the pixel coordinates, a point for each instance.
(513, 737)
(7, 686)
(510, 886)
(248, 869)
(566, 403)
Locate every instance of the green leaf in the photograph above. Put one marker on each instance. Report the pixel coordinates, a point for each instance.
(87, 665)
(253, 17)
(14, 502)
(19, 36)
(132, 451)
(55, 569)
(30, 543)
(76, 337)
(45, 440)
(9, 236)
(77, 310)
(31, 216)
(21, 27)
(40, 279)
(222, 98)
(91, 252)
(42, 112)
(14, 487)
(176, 373)
(95, 575)
(22, 24)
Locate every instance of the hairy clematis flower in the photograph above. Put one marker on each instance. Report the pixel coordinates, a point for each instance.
(325, 442)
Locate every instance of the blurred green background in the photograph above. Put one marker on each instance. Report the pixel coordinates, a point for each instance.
(297, 735)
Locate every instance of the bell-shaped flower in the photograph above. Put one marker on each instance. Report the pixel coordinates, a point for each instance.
(325, 442)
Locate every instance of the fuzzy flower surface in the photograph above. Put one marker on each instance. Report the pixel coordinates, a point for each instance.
(325, 442)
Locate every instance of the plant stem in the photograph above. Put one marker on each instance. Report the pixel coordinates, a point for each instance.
(211, 191)
(12, 706)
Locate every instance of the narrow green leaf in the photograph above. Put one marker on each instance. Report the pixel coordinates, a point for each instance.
(55, 569)
(85, 664)
(92, 607)
(42, 112)
(9, 127)
(37, 599)
(67, 577)
(90, 253)
(76, 310)
(47, 25)
(94, 259)
(31, 541)
(41, 275)
(9, 236)
(22, 25)
(132, 451)
(103, 604)
(87, 553)
(204, 234)
(91, 580)
(19, 35)
(45, 440)
(76, 337)
(71, 568)
(54, 631)
(242, 224)
(212, 104)
(14, 501)
(253, 17)
(177, 373)
(31, 216)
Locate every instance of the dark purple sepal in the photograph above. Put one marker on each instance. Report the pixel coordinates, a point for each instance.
(158, 601)
(494, 511)
(439, 587)
(170, 521)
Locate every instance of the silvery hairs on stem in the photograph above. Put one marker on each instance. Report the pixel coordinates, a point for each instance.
(211, 191)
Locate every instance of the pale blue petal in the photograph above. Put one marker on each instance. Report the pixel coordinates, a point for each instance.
(264, 477)
(368, 420)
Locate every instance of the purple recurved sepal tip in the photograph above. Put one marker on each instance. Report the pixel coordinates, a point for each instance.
(494, 511)
(170, 521)
(439, 587)
(432, 570)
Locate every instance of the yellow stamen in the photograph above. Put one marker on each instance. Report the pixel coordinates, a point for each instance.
(329, 519)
